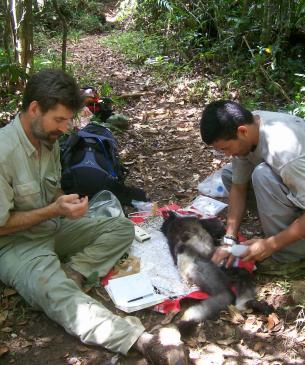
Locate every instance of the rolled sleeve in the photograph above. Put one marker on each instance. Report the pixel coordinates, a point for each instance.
(242, 170)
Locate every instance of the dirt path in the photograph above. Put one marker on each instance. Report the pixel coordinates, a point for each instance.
(163, 151)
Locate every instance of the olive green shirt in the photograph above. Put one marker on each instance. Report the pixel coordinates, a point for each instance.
(27, 181)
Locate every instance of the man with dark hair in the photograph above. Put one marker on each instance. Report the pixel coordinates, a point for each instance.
(267, 149)
(39, 226)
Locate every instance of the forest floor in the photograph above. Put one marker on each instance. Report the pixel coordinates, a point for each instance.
(165, 156)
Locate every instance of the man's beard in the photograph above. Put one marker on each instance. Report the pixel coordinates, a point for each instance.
(39, 133)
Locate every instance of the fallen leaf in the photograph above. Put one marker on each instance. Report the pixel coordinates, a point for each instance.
(273, 320)
(3, 350)
(22, 323)
(8, 292)
(236, 316)
(82, 348)
(6, 329)
(227, 341)
(253, 325)
(169, 318)
(3, 316)
(26, 343)
(258, 346)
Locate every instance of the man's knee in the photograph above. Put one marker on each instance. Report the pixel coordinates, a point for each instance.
(122, 230)
(125, 225)
(261, 175)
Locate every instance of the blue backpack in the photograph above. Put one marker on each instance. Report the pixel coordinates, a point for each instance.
(90, 162)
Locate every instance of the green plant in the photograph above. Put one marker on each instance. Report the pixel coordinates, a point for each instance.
(90, 23)
(135, 45)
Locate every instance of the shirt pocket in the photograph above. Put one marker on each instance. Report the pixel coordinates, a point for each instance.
(27, 195)
(52, 187)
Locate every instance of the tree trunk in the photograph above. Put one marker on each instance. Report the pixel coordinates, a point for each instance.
(64, 34)
(7, 32)
(22, 32)
(266, 25)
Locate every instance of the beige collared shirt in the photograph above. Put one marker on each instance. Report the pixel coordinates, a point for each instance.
(27, 181)
(282, 146)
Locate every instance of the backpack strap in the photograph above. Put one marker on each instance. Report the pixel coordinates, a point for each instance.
(101, 143)
(66, 151)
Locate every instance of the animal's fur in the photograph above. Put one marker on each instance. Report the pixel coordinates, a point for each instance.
(192, 243)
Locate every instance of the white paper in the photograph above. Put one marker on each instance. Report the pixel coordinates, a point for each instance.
(133, 292)
(130, 287)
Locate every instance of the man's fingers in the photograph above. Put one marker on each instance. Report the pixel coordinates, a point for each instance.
(230, 261)
(248, 242)
(246, 258)
(70, 198)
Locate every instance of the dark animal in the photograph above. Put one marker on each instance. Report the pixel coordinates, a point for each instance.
(192, 242)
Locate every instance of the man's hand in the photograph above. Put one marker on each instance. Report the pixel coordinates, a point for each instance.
(71, 206)
(221, 255)
(259, 249)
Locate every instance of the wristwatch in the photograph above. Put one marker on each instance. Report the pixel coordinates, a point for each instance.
(229, 240)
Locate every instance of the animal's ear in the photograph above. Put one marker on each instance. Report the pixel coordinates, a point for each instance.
(170, 217)
(214, 226)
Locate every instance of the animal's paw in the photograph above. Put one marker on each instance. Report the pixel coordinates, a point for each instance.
(166, 348)
(260, 306)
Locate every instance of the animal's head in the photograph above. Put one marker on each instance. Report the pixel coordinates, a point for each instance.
(199, 234)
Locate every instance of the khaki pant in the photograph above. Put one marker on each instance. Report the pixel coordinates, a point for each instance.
(32, 267)
(276, 211)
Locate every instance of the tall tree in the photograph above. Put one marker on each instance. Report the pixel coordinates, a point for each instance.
(21, 17)
(64, 33)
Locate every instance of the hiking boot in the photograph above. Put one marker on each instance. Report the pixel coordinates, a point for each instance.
(73, 275)
(272, 267)
(164, 347)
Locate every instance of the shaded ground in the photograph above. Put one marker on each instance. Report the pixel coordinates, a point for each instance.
(165, 156)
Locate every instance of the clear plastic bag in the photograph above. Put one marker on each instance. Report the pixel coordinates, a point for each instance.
(105, 204)
(142, 206)
(213, 186)
(207, 206)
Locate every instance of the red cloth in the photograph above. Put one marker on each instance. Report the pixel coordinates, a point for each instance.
(174, 305)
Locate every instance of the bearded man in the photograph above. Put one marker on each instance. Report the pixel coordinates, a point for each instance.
(40, 226)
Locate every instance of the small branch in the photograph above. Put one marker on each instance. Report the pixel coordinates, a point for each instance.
(267, 76)
(136, 94)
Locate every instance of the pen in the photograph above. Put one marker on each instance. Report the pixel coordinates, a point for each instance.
(135, 299)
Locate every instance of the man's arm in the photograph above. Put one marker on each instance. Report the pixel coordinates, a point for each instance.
(260, 248)
(237, 205)
(70, 206)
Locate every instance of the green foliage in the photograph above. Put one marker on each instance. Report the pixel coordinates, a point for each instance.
(90, 23)
(86, 16)
(135, 45)
(266, 37)
(11, 74)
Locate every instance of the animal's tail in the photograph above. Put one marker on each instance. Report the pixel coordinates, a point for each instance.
(206, 309)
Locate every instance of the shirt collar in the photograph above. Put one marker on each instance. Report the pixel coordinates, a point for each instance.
(27, 145)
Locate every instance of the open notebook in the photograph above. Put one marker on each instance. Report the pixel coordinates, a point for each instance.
(133, 292)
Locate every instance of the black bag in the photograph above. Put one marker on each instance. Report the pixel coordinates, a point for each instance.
(90, 163)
